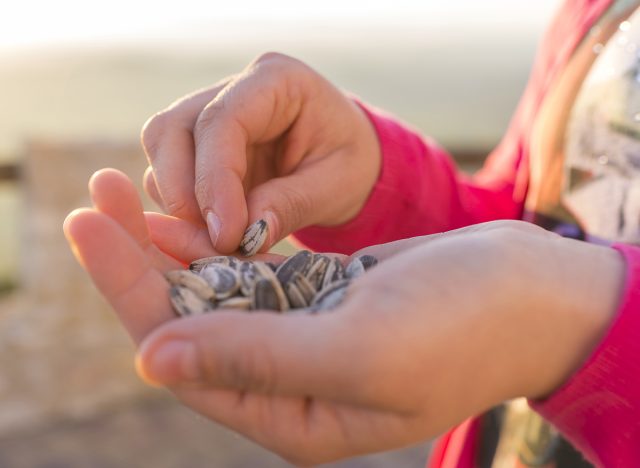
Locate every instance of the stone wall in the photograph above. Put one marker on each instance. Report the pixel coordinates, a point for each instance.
(62, 352)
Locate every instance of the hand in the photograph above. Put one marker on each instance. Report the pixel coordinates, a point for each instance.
(443, 328)
(276, 142)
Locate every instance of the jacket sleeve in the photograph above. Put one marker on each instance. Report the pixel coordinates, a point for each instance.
(598, 408)
(419, 191)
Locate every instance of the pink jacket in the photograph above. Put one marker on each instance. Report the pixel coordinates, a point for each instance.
(419, 191)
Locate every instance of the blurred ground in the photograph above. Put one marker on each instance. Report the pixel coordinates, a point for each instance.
(157, 433)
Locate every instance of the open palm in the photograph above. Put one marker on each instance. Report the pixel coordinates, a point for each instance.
(312, 413)
(443, 328)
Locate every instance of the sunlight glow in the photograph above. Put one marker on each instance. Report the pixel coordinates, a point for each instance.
(42, 22)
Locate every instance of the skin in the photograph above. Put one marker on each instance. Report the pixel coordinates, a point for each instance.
(275, 142)
(504, 308)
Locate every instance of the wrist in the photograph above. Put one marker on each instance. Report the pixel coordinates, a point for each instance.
(364, 157)
(581, 302)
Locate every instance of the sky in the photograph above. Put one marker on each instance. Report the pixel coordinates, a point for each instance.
(45, 23)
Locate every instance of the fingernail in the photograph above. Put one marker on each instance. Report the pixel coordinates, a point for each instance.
(170, 363)
(213, 224)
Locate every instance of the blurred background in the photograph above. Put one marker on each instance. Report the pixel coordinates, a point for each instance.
(78, 80)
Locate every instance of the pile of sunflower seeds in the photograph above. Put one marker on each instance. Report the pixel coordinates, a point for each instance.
(305, 281)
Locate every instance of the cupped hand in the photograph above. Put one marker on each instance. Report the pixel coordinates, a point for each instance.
(443, 328)
(276, 142)
(126, 261)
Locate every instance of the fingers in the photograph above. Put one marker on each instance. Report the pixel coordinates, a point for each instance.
(179, 238)
(120, 269)
(183, 241)
(256, 108)
(114, 194)
(390, 249)
(297, 200)
(304, 431)
(259, 352)
(167, 139)
(151, 187)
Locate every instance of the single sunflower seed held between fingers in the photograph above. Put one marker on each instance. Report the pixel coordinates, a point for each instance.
(254, 238)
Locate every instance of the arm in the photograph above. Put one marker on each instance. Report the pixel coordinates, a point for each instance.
(419, 191)
(267, 375)
(597, 409)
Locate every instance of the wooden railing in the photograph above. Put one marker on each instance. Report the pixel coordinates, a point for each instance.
(9, 172)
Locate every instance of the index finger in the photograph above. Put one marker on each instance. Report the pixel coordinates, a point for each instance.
(167, 139)
(255, 109)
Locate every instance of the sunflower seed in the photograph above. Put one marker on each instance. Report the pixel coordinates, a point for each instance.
(316, 272)
(248, 277)
(268, 295)
(197, 265)
(185, 302)
(368, 261)
(223, 279)
(192, 281)
(300, 262)
(263, 271)
(304, 286)
(254, 237)
(246, 285)
(330, 297)
(335, 272)
(238, 302)
(296, 299)
(354, 269)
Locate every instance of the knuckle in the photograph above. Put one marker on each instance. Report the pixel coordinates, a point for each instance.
(175, 206)
(296, 206)
(273, 57)
(514, 226)
(278, 64)
(152, 131)
(202, 189)
(208, 118)
(511, 224)
(148, 177)
(514, 230)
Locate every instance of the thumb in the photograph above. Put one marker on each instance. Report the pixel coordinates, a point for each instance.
(269, 353)
(312, 195)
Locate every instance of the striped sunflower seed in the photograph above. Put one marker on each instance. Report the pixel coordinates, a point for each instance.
(238, 302)
(192, 281)
(268, 295)
(248, 277)
(223, 279)
(226, 260)
(296, 299)
(300, 262)
(368, 261)
(305, 287)
(330, 297)
(335, 272)
(354, 269)
(185, 302)
(316, 272)
(254, 237)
